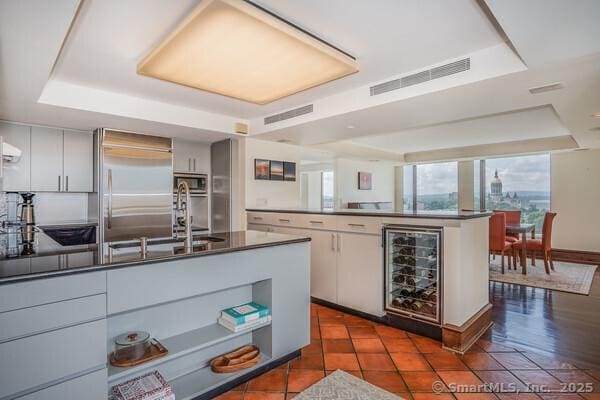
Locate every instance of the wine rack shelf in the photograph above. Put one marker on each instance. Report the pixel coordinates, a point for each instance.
(412, 272)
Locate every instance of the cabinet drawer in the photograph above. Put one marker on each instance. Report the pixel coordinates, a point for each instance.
(260, 218)
(259, 227)
(318, 221)
(359, 224)
(41, 359)
(43, 291)
(32, 320)
(287, 219)
(90, 387)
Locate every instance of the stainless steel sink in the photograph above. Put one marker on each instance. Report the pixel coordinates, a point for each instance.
(198, 242)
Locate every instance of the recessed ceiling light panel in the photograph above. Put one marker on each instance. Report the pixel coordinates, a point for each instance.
(233, 48)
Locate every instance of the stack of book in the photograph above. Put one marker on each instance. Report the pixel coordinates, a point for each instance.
(245, 316)
(151, 386)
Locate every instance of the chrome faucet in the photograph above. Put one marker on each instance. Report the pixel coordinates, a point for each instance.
(183, 186)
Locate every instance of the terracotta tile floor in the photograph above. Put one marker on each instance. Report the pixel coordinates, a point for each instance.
(409, 365)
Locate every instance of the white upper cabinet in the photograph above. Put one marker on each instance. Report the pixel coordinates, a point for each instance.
(47, 160)
(191, 157)
(52, 160)
(78, 161)
(17, 174)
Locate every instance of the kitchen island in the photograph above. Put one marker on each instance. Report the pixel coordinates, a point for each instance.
(423, 271)
(60, 311)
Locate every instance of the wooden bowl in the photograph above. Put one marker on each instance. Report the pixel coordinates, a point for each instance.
(242, 358)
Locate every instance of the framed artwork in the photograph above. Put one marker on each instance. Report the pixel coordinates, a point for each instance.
(261, 169)
(289, 171)
(276, 170)
(364, 181)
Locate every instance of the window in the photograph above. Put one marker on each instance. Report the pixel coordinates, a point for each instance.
(437, 186)
(519, 183)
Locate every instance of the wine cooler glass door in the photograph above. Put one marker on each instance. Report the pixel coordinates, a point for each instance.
(413, 272)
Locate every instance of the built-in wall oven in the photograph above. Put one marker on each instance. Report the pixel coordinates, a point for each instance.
(198, 183)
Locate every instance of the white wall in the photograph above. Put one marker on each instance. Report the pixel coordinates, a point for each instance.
(346, 181)
(51, 208)
(261, 193)
(575, 188)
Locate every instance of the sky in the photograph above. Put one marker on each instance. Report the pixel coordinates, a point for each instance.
(529, 173)
(525, 173)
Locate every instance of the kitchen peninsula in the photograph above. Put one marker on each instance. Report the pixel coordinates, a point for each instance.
(423, 271)
(59, 316)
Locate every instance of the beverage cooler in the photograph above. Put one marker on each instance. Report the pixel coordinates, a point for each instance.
(413, 260)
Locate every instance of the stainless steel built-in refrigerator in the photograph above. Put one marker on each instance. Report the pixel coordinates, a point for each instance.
(413, 260)
(133, 180)
(220, 197)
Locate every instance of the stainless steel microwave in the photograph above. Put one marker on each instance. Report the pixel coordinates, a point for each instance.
(198, 183)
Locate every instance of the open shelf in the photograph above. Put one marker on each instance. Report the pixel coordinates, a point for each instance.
(181, 345)
(189, 386)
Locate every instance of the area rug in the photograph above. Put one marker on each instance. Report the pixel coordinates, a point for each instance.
(568, 277)
(341, 385)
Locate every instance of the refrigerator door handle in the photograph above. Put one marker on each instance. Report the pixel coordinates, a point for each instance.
(110, 184)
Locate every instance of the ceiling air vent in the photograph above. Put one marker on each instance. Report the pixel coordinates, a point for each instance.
(546, 88)
(296, 112)
(424, 76)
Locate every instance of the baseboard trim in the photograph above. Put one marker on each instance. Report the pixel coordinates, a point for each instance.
(460, 338)
(576, 256)
(565, 255)
(412, 325)
(348, 310)
(211, 394)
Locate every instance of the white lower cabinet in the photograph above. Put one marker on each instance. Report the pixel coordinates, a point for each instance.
(323, 265)
(51, 356)
(346, 267)
(360, 272)
(90, 387)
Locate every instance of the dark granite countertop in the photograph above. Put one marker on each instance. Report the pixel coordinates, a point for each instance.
(51, 259)
(426, 214)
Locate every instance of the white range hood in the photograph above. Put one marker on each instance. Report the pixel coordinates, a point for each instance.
(10, 153)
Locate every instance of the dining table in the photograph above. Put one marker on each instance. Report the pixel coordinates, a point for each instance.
(522, 229)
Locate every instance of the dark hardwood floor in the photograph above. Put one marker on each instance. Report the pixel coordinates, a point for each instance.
(552, 323)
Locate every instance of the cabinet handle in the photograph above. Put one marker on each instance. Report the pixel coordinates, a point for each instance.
(257, 218)
(333, 242)
(339, 243)
(194, 165)
(189, 164)
(67, 183)
(59, 183)
(109, 219)
(357, 225)
(284, 220)
(316, 222)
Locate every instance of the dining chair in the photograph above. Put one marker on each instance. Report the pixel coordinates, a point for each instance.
(544, 245)
(497, 240)
(513, 217)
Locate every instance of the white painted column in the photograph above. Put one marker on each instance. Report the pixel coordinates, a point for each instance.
(399, 187)
(466, 185)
